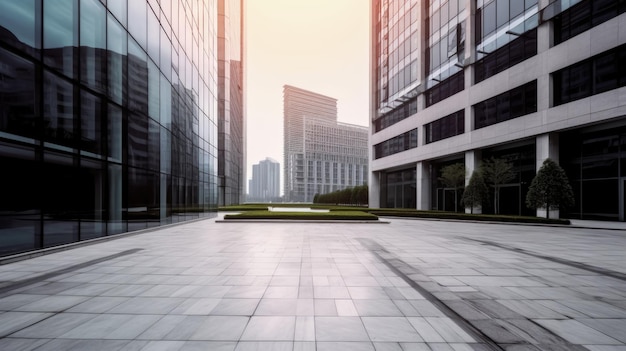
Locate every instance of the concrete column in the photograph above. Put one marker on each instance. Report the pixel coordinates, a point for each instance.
(473, 158)
(374, 189)
(547, 147)
(422, 185)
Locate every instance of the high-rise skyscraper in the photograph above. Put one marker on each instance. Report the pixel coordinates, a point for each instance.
(108, 117)
(231, 111)
(321, 155)
(462, 81)
(265, 182)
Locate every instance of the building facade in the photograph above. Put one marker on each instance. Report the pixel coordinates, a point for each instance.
(321, 155)
(231, 122)
(462, 81)
(265, 182)
(108, 118)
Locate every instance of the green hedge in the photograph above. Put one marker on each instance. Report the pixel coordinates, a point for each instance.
(403, 212)
(466, 216)
(333, 215)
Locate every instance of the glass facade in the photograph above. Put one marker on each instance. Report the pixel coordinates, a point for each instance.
(595, 162)
(596, 75)
(445, 35)
(579, 16)
(398, 189)
(511, 104)
(231, 160)
(402, 142)
(397, 53)
(108, 118)
(446, 127)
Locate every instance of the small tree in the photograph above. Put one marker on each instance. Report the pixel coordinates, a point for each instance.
(496, 172)
(550, 189)
(453, 176)
(475, 192)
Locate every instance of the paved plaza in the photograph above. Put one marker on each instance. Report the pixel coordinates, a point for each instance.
(407, 285)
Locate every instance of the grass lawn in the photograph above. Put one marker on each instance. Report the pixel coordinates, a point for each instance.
(333, 215)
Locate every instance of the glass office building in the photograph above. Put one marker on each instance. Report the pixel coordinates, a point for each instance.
(462, 81)
(108, 117)
(231, 112)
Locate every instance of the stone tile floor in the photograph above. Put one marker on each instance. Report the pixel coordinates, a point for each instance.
(407, 285)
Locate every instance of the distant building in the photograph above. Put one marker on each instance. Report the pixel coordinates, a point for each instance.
(265, 182)
(463, 81)
(321, 155)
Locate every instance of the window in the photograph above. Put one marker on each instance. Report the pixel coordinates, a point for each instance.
(596, 75)
(405, 110)
(93, 44)
(18, 17)
(445, 89)
(511, 104)
(446, 127)
(17, 94)
(583, 16)
(396, 144)
(518, 50)
(58, 115)
(60, 35)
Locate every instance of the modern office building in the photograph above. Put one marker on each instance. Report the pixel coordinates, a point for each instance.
(231, 163)
(108, 117)
(265, 182)
(461, 81)
(320, 154)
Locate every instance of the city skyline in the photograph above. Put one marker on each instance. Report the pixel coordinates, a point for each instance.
(287, 46)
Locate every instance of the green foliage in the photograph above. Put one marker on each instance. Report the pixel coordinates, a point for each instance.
(453, 176)
(497, 172)
(475, 192)
(550, 189)
(357, 195)
(387, 212)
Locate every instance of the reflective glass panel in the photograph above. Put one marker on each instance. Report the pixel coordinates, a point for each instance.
(19, 17)
(93, 44)
(137, 24)
(17, 96)
(20, 213)
(115, 133)
(58, 114)
(117, 59)
(60, 35)
(91, 124)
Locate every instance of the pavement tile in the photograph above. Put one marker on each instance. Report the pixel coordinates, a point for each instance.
(52, 304)
(340, 329)
(377, 308)
(397, 329)
(52, 327)
(203, 285)
(576, 332)
(261, 328)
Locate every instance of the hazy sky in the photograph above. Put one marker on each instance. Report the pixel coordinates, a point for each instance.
(317, 45)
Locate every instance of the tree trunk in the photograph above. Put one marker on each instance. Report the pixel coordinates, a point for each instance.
(455, 197)
(495, 200)
(548, 210)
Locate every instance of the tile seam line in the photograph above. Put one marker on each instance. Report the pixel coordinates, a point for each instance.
(574, 264)
(464, 324)
(6, 290)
